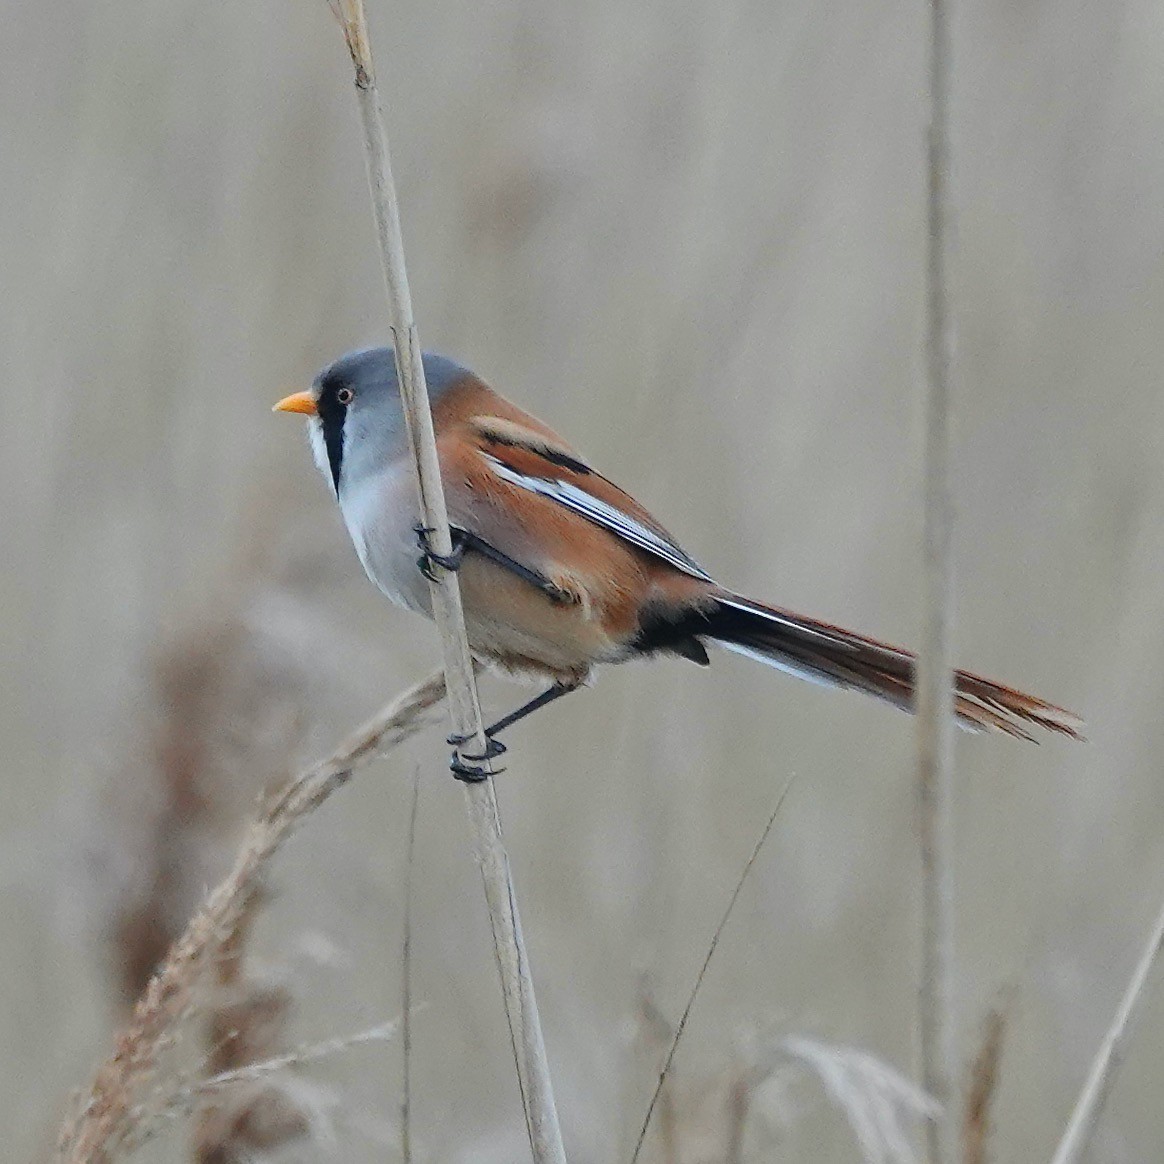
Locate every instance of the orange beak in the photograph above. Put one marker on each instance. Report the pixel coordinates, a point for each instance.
(297, 402)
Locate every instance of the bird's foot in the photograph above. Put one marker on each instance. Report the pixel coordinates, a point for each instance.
(470, 773)
(429, 557)
(470, 768)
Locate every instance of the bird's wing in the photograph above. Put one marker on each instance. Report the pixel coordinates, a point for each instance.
(537, 463)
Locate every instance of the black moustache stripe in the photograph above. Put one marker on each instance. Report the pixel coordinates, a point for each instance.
(332, 415)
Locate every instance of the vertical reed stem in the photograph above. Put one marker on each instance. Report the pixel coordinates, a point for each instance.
(935, 679)
(513, 965)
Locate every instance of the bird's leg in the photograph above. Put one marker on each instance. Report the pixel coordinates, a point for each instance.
(463, 541)
(471, 772)
(494, 746)
(554, 691)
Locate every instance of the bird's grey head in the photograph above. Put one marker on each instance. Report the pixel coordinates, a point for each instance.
(358, 427)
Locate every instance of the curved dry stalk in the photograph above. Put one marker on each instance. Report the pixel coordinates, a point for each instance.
(104, 1117)
(186, 1097)
(727, 913)
(529, 1050)
(935, 665)
(1110, 1056)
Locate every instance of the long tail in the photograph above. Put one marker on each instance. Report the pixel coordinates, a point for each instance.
(839, 658)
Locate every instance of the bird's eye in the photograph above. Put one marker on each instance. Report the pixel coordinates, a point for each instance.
(345, 395)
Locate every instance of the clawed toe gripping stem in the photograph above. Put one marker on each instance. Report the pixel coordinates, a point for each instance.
(470, 767)
(464, 541)
(470, 773)
(429, 557)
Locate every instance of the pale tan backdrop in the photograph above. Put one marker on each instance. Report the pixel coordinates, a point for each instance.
(690, 236)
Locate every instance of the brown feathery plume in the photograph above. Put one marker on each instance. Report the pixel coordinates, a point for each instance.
(107, 1115)
(226, 709)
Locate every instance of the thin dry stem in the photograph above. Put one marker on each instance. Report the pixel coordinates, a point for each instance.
(533, 1074)
(1110, 1056)
(258, 1079)
(650, 1035)
(935, 667)
(727, 913)
(307, 1053)
(103, 1118)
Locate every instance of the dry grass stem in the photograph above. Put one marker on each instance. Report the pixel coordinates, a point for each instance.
(103, 1118)
(533, 1073)
(298, 1057)
(254, 1082)
(648, 1036)
(1110, 1056)
(983, 1088)
(935, 666)
(727, 913)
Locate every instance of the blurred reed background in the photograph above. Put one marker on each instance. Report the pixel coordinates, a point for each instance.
(706, 220)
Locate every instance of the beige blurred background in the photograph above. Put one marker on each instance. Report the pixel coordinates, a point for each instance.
(690, 236)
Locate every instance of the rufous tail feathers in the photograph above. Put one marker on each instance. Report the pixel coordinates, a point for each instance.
(840, 658)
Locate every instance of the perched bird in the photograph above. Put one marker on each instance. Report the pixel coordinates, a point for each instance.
(561, 570)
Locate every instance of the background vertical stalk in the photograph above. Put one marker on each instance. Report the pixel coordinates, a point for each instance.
(935, 682)
(1110, 1056)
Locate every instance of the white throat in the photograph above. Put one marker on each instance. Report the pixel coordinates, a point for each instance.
(319, 448)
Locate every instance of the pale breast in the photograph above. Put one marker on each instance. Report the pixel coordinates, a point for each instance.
(381, 512)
